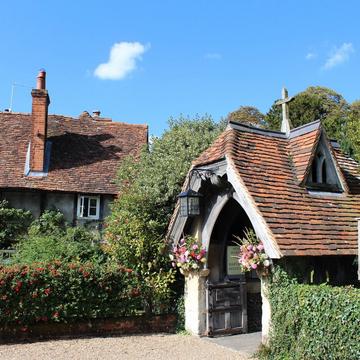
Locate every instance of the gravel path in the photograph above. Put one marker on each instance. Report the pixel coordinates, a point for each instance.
(149, 347)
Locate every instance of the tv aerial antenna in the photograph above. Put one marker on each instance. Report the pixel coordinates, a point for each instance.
(13, 86)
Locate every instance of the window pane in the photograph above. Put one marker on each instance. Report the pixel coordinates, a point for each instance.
(81, 210)
(93, 203)
(183, 207)
(194, 206)
(86, 207)
(92, 211)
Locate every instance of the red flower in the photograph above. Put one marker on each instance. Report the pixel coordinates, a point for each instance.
(54, 273)
(135, 292)
(55, 315)
(47, 291)
(18, 286)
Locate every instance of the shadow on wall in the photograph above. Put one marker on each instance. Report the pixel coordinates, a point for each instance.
(73, 150)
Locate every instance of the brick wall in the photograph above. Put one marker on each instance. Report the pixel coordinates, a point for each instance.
(40, 104)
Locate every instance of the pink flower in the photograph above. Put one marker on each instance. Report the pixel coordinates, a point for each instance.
(260, 247)
(194, 247)
(253, 266)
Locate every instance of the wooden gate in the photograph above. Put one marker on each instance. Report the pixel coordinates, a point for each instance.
(226, 308)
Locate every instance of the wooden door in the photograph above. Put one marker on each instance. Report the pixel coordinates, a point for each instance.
(226, 308)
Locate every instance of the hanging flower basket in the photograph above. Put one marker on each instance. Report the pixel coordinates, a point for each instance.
(252, 255)
(189, 256)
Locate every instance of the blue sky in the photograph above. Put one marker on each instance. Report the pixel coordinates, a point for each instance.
(176, 57)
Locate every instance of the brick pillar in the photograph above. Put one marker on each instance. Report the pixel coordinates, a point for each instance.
(40, 104)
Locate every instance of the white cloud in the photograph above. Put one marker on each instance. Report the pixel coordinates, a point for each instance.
(122, 60)
(339, 55)
(214, 56)
(310, 56)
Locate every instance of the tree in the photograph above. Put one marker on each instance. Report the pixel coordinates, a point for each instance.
(148, 188)
(352, 132)
(247, 115)
(315, 103)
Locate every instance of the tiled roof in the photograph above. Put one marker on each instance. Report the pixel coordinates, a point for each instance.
(272, 168)
(85, 152)
(302, 149)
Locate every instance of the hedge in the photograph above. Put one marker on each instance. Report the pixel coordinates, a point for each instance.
(313, 321)
(63, 292)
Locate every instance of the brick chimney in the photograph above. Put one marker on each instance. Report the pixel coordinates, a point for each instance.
(40, 104)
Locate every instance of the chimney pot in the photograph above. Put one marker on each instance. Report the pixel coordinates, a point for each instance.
(41, 80)
(96, 113)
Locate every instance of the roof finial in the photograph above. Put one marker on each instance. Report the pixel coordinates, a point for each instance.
(284, 102)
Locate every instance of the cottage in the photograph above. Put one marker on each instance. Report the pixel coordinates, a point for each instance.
(296, 190)
(64, 163)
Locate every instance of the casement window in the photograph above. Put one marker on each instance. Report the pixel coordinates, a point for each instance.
(88, 207)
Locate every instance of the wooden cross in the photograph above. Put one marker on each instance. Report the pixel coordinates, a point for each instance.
(284, 102)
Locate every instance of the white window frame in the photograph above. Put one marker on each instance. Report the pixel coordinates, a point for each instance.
(80, 207)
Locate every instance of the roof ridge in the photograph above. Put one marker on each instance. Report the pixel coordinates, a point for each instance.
(256, 130)
(99, 120)
(304, 129)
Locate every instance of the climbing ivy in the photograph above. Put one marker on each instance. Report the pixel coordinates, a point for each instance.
(313, 322)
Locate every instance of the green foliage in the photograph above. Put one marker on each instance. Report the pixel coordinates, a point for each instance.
(180, 311)
(352, 131)
(50, 239)
(136, 229)
(65, 292)
(315, 103)
(313, 322)
(13, 224)
(49, 223)
(248, 115)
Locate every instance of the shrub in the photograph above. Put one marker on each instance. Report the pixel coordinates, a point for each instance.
(14, 224)
(313, 321)
(65, 292)
(50, 239)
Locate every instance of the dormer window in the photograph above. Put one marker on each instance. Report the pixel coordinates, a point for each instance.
(319, 169)
(323, 175)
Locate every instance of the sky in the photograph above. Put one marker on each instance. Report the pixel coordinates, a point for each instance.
(146, 61)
